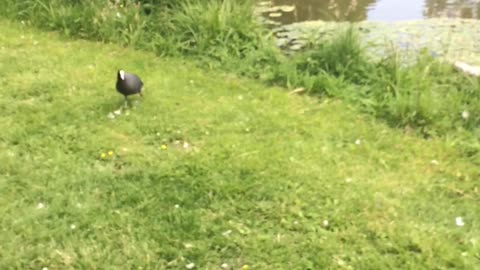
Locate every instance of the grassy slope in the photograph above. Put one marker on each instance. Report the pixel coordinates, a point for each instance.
(267, 167)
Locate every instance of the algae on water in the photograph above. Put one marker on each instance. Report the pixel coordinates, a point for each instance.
(451, 39)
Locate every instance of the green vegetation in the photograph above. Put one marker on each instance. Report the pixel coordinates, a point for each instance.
(213, 168)
(265, 179)
(213, 28)
(428, 97)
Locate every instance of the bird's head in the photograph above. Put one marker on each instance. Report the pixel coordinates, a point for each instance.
(121, 74)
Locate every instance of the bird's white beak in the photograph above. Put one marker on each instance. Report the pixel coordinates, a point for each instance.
(122, 74)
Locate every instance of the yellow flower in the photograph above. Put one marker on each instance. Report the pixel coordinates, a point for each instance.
(103, 155)
(245, 267)
(121, 5)
(110, 153)
(164, 147)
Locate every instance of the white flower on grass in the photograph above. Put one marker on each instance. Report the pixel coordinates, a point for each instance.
(358, 142)
(348, 180)
(40, 205)
(45, 268)
(325, 223)
(190, 266)
(459, 221)
(227, 233)
(118, 15)
(73, 226)
(434, 162)
(185, 145)
(465, 115)
(177, 206)
(340, 262)
(224, 266)
(188, 245)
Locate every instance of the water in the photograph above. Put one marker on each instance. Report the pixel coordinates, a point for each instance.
(375, 10)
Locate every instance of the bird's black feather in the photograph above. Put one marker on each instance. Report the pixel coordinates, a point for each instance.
(130, 85)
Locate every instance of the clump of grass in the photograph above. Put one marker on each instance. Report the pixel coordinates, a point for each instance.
(116, 21)
(325, 65)
(429, 95)
(341, 56)
(403, 95)
(216, 29)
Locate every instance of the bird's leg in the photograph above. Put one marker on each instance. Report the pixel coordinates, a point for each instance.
(125, 104)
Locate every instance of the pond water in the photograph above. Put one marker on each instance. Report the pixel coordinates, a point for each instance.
(373, 10)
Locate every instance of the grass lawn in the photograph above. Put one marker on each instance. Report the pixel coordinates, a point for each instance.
(211, 169)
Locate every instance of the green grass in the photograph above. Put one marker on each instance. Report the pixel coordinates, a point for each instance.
(263, 171)
(428, 97)
(217, 29)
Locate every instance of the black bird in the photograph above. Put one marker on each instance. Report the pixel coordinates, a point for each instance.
(128, 84)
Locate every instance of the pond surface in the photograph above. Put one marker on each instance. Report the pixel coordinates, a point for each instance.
(373, 10)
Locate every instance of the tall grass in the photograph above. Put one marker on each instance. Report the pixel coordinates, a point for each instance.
(220, 29)
(212, 27)
(119, 21)
(428, 96)
(341, 57)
